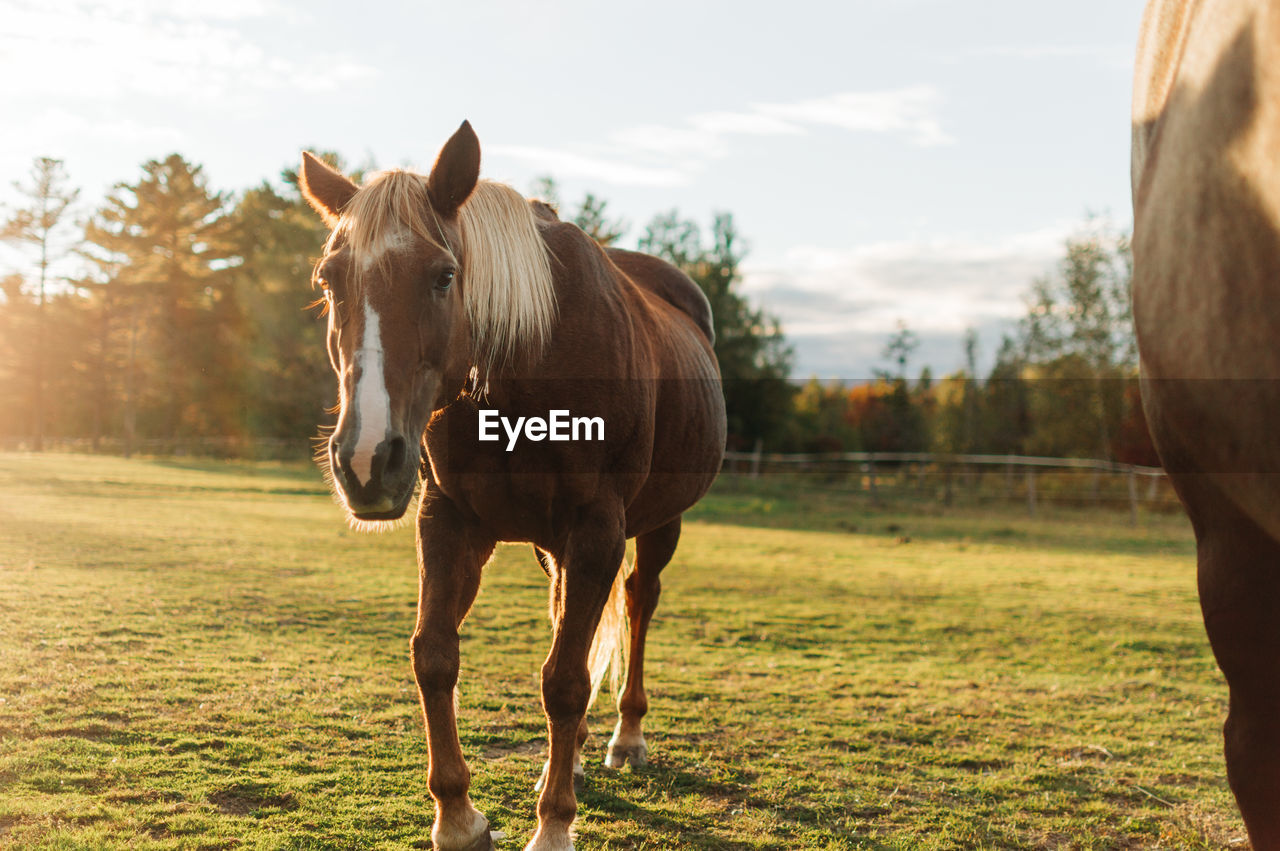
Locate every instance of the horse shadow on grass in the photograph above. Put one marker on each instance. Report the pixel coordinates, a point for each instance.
(631, 801)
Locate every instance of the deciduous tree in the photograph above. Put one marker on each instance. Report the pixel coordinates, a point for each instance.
(755, 359)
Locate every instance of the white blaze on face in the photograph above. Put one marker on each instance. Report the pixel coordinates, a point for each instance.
(373, 405)
(393, 240)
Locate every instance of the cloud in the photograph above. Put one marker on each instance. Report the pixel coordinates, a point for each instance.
(838, 307)
(745, 123)
(705, 135)
(56, 132)
(908, 112)
(857, 355)
(568, 164)
(223, 10)
(667, 155)
(55, 125)
(106, 50)
(670, 142)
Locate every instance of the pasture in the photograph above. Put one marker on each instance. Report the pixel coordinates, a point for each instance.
(202, 655)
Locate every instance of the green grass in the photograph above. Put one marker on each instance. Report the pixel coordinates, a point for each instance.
(203, 656)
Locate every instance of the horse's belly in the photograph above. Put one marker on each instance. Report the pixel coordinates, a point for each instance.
(688, 450)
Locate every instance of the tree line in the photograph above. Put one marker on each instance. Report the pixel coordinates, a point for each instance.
(172, 312)
(1064, 382)
(186, 315)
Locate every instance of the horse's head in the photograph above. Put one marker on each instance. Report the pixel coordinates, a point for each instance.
(389, 276)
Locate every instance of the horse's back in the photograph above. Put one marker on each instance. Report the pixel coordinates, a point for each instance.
(1206, 244)
(668, 283)
(632, 345)
(652, 274)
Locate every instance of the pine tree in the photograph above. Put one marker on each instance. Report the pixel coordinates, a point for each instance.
(279, 237)
(165, 239)
(1005, 412)
(39, 227)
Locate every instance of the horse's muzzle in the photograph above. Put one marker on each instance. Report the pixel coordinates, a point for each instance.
(392, 476)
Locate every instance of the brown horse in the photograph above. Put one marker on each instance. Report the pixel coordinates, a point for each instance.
(1206, 246)
(457, 308)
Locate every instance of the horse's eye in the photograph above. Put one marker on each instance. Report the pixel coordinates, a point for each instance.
(445, 280)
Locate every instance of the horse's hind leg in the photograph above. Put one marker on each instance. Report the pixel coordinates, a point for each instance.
(1239, 578)
(653, 552)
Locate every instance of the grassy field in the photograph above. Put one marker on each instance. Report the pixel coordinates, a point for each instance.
(201, 655)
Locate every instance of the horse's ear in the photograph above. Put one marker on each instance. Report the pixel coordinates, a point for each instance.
(456, 171)
(325, 188)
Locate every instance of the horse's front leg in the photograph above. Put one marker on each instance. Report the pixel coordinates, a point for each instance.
(451, 554)
(584, 575)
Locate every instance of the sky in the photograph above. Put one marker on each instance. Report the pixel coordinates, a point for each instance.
(886, 161)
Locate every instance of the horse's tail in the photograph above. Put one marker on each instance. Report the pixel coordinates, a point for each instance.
(613, 637)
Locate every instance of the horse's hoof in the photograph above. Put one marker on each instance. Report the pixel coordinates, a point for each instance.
(635, 756)
(550, 841)
(484, 842)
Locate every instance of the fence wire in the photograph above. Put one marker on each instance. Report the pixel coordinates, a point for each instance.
(968, 479)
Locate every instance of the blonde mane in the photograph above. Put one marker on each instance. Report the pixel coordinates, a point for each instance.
(506, 275)
(507, 288)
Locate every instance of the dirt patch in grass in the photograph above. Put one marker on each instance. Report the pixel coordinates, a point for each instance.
(242, 798)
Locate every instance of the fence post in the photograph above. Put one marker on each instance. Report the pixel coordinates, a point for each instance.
(946, 475)
(1133, 497)
(871, 478)
(755, 458)
(1031, 491)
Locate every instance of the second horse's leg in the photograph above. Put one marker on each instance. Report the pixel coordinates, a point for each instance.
(1239, 579)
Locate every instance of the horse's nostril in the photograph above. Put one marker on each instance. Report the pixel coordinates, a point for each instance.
(336, 468)
(397, 450)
